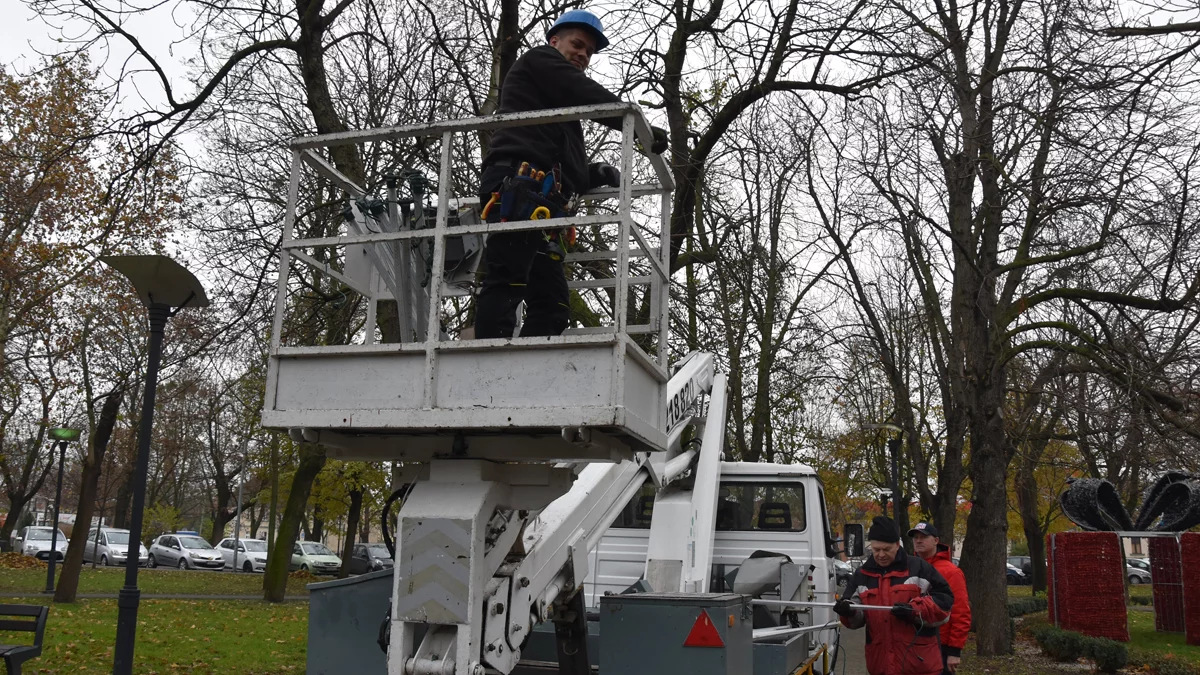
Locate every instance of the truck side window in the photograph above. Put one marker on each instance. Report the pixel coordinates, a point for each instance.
(830, 544)
(766, 506)
(637, 513)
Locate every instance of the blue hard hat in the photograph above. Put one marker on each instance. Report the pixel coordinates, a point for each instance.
(580, 18)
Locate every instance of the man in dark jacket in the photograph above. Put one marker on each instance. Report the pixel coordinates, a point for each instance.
(904, 639)
(527, 265)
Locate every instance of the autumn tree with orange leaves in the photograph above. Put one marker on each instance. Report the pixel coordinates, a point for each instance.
(67, 196)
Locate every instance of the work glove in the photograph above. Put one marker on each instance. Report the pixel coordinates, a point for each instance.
(904, 611)
(661, 140)
(600, 173)
(842, 608)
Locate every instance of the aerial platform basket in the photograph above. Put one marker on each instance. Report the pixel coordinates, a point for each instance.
(595, 392)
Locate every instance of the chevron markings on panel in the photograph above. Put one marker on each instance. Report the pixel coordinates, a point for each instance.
(435, 570)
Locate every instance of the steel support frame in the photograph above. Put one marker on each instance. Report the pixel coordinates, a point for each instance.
(453, 534)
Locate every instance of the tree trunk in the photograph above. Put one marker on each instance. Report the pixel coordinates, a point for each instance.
(318, 528)
(984, 550)
(356, 500)
(15, 509)
(124, 495)
(68, 581)
(312, 459)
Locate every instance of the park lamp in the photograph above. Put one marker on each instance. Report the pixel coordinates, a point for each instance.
(64, 434)
(164, 287)
(61, 436)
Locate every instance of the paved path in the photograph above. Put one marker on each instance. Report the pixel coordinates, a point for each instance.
(851, 660)
(157, 596)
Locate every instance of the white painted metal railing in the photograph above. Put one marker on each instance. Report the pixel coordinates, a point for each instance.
(392, 280)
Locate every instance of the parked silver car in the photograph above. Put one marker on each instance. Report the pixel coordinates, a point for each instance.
(315, 557)
(185, 551)
(250, 555)
(1137, 570)
(35, 542)
(109, 546)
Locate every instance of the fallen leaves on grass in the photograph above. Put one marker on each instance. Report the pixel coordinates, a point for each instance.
(16, 561)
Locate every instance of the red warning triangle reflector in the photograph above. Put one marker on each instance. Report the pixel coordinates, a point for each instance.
(704, 633)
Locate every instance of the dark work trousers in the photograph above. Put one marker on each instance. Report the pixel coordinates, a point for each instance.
(516, 267)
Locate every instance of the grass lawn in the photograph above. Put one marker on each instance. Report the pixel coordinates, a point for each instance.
(1136, 590)
(1143, 638)
(110, 580)
(176, 636)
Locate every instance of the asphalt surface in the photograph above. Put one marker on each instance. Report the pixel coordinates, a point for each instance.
(851, 659)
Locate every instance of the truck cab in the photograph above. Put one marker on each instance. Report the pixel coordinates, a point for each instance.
(761, 507)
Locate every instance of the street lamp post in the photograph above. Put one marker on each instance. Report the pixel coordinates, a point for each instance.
(62, 436)
(164, 287)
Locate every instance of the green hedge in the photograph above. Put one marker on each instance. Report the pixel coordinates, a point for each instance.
(1067, 646)
(1023, 606)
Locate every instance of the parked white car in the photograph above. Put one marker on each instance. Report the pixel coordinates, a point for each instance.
(110, 546)
(185, 551)
(35, 542)
(315, 557)
(247, 555)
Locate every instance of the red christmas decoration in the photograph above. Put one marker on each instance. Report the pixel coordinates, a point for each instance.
(1087, 584)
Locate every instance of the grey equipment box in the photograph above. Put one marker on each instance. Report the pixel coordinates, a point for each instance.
(645, 633)
(343, 624)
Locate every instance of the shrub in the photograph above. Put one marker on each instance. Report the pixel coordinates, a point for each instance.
(1067, 646)
(1109, 655)
(1058, 644)
(1023, 606)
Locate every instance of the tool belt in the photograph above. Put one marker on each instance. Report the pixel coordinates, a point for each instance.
(531, 194)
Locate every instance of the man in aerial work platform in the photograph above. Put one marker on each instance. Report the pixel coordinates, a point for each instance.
(541, 166)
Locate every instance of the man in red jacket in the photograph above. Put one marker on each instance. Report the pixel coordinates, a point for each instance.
(927, 544)
(914, 600)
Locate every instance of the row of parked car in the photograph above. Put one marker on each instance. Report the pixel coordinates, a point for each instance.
(1019, 570)
(188, 551)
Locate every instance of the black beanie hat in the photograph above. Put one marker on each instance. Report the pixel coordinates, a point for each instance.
(883, 529)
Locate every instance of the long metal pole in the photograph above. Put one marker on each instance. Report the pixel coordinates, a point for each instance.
(894, 448)
(237, 525)
(129, 597)
(62, 456)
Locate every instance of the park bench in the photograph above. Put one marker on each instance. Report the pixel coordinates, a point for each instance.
(33, 621)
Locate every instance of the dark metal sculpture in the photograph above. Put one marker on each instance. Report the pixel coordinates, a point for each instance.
(1172, 504)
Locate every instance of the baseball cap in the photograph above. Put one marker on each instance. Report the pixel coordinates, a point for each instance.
(924, 528)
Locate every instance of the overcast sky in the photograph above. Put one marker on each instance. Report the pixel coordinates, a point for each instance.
(24, 36)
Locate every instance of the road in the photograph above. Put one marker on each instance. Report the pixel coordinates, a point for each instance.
(852, 661)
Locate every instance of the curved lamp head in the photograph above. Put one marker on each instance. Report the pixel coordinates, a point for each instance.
(158, 279)
(64, 434)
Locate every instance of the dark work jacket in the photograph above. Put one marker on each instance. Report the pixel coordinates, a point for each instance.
(896, 646)
(543, 78)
